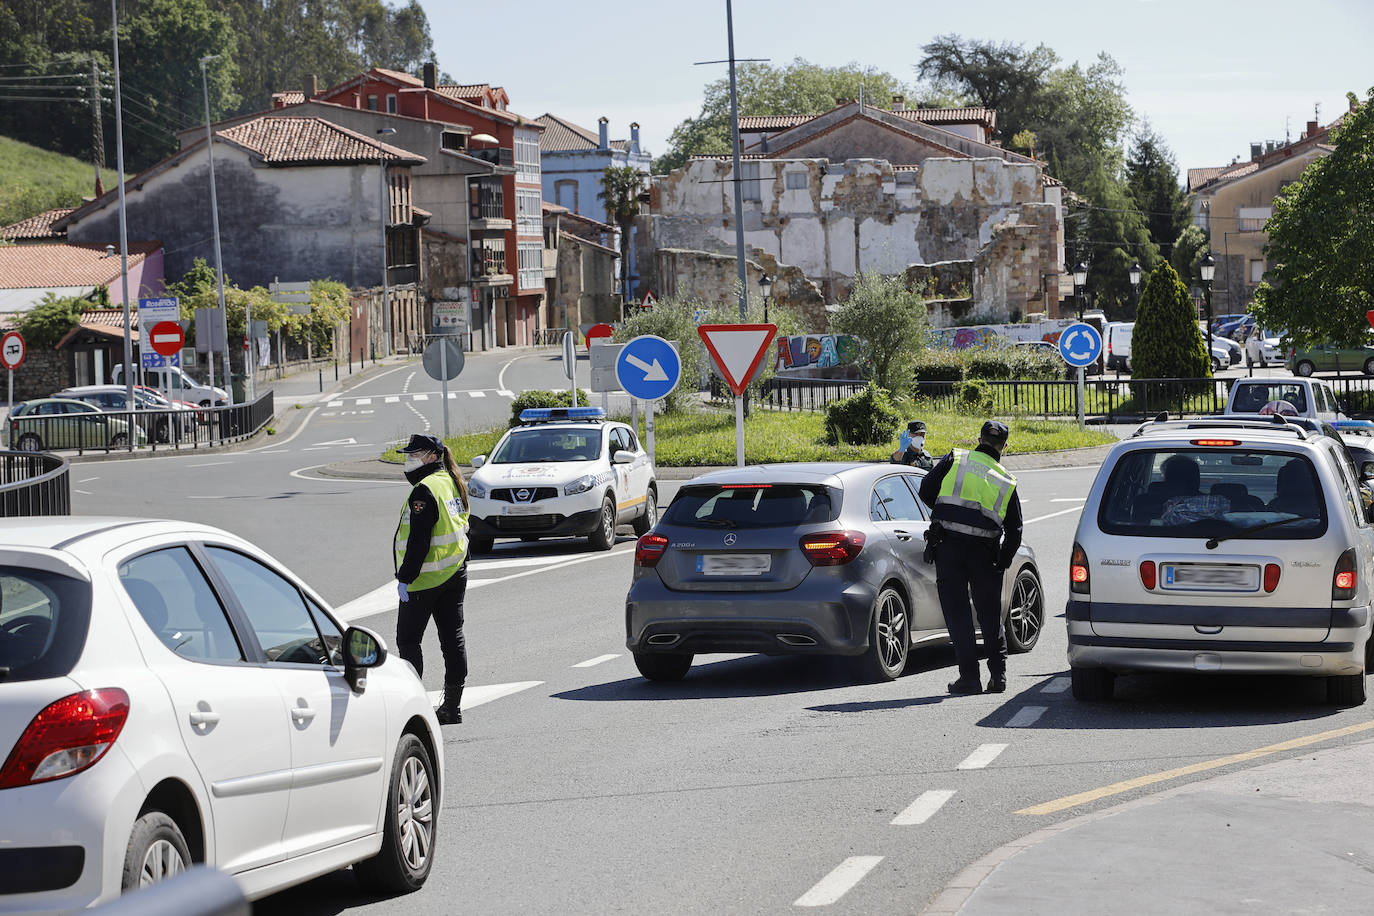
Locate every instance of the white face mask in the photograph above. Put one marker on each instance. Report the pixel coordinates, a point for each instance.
(918, 442)
(417, 459)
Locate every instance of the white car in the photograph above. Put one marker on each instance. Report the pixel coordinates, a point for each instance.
(562, 471)
(177, 384)
(1264, 348)
(170, 695)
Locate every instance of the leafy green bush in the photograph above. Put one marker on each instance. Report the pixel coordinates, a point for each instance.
(1166, 342)
(973, 397)
(48, 322)
(868, 418)
(527, 399)
(939, 366)
(889, 322)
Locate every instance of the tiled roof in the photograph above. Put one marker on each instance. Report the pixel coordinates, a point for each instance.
(1199, 177)
(399, 76)
(35, 227)
(552, 208)
(306, 141)
(289, 97)
(985, 116)
(38, 266)
(561, 136)
(471, 91)
(112, 318)
(772, 122)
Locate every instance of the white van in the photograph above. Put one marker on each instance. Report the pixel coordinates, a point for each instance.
(1118, 344)
(175, 379)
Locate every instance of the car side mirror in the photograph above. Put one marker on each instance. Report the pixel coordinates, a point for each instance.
(363, 649)
(622, 457)
(478, 461)
(1343, 405)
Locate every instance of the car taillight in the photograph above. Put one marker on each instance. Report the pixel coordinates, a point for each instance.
(1147, 574)
(1272, 571)
(1078, 571)
(68, 736)
(649, 549)
(1344, 582)
(832, 548)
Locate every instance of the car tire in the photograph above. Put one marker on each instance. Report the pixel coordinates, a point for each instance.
(649, 517)
(411, 822)
(1345, 690)
(1093, 685)
(156, 851)
(1369, 366)
(1026, 613)
(603, 537)
(29, 442)
(206, 403)
(889, 638)
(1304, 368)
(119, 440)
(480, 545)
(663, 666)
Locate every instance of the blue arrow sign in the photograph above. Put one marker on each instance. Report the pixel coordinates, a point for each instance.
(1080, 344)
(648, 368)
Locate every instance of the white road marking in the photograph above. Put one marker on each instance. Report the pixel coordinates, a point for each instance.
(595, 661)
(205, 497)
(1056, 685)
(476, 695)
(453, 395)
(921, 810)
(477, 566)
(980, 758)
(1031, 521)
(1026, 716)
(1069, 499)
(423, 419)
(839, 882)
(207, 464)
(299, 474)
(477, 394)
(364, 402)
(336, 403)
(505, 392)
(82, 492)
(420, 397)
(391, 400)
(271, 451)
(87, 479)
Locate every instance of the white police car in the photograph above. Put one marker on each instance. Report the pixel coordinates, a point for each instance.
(562, 471)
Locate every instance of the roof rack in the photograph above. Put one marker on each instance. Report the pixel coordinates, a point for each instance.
(1276, 423)
(534, 415)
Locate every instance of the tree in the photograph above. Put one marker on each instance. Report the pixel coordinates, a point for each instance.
(800, 87)
(1167, 342)
(1109, 234)
(1320, 239)
(1004, 77)
(889, 321)
(1152, 178)
(49, 321)
(620, 189)
(1188, 251)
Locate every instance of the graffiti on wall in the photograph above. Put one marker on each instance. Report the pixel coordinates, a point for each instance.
(987, 336)
(817, 351)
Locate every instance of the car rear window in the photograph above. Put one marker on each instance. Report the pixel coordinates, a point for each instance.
(751, 506)
(43, 622)
(1252, 397)
(1232, 492)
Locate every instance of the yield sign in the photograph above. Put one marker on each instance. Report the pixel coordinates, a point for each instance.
(737, 350)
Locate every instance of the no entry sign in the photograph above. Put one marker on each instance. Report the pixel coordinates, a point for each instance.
(167, 338)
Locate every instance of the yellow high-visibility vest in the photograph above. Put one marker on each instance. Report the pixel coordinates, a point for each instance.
(448, 541)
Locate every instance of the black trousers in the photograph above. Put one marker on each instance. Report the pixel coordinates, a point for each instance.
(444, 603)
(964, 567)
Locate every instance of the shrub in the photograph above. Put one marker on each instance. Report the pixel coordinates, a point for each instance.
(973, 397)
(889, 322)
(868, 418)
(990, 364)
(50, 320)
(939, 366)
(1166, 342)
(528, 399)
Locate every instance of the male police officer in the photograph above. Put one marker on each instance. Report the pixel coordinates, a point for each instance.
(911, 448)
(974, 504)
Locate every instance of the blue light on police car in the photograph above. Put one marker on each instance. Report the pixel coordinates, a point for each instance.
(530, 414)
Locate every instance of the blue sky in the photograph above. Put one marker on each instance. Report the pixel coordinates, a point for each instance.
(1210, 75)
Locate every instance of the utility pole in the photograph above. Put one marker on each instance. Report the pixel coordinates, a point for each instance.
(123, 231)
(97, 125)
(739, 190)
(219, 260)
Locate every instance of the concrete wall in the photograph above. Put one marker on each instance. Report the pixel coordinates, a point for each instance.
(292, 224)
(586, 280)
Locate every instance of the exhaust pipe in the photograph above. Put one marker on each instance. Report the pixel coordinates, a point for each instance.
(796, 639)
(663, 639)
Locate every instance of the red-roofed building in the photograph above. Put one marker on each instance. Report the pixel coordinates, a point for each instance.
(29, 272)
(35, 229)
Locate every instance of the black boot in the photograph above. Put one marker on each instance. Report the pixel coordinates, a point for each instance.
(450, 711)
(966, 684)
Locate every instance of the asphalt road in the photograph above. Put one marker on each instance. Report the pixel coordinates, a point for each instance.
(753, 786)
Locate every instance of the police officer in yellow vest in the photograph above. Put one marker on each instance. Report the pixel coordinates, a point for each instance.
(974, 506)
(431, 547)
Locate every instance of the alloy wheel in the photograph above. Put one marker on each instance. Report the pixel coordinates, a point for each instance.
(160, 862)
(608, 521)
(1027, 611)
(415, 813)
(892, 630)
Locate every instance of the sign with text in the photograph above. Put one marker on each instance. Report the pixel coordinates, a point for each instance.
(152, 311)
(450, 317)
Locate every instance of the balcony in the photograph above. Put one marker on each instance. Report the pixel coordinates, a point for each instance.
(488, 207)
(501, 157)
(489, 266)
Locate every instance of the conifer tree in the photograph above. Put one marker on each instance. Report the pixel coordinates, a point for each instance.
(1167, 342)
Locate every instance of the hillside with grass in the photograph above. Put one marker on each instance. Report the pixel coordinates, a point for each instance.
(33, 180)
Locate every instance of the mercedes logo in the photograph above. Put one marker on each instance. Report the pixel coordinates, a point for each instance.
(522, 495)
(730, 539)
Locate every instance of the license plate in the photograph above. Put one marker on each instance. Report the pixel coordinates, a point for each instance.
(734, 564)
(1224, 578)
(520, 510)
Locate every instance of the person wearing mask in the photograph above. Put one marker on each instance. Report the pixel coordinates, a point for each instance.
(974, 506)
(431, 546)
(911, 447)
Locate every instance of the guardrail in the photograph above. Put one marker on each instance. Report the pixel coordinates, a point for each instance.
(105, 431)
(549, 337)
(34, 484)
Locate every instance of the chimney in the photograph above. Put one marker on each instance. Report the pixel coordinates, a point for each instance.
(431, 75)
(312, 87)
(602, 142)
(1256, 150)
(899, 103)
(1312, 128)
(634, 136)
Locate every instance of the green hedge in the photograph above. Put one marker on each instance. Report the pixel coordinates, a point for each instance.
(868, 418)
(561, 398)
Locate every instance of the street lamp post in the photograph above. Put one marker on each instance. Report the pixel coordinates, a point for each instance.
(1134, 274)
(765, 287)
(214, 222)
(1208, 269)
(1080, 279)
(386, 287)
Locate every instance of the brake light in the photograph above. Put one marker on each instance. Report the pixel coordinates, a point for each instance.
(1147, 574)
(1272, 572)
(1344, 582)
(832, 548)
(1221, 443)
(68, 736)
(1078, 571)
(745, 486)
(649, 550)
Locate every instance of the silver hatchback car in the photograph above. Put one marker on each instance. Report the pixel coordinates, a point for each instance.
(800, 559)
(1223, 546)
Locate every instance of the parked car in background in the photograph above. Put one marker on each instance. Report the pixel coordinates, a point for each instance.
(1301, 397)
(173, 379)
(1234, 351)
(43, 424)
(154, 414)
(1224, 321)
(1264, 347)
(1237, 328)
(1117, 344)
(1329, 358)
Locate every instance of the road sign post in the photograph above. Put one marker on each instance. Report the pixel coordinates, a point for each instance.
(648, 368)
(1080, 344)
(12, 352)
(570, 363)
(443, 360)
(737, 351)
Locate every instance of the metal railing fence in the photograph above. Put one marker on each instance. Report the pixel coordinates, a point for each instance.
(105, 431)
(34, 484)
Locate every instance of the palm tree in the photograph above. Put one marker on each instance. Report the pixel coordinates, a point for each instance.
(621, 187)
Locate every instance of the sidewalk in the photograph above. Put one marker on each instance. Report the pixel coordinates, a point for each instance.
(1293, 836)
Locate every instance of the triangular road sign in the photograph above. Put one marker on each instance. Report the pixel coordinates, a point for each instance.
(648, 301)
(737, 350)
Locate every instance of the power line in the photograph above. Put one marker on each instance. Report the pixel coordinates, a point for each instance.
(55, 76)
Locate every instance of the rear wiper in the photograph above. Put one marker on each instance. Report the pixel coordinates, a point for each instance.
(717, 523)
(1213, 542)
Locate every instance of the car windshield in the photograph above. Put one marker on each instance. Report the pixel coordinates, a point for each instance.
(1213, 493)
(751, 506)
(43, 623)
(560, 444)
(1252, 397)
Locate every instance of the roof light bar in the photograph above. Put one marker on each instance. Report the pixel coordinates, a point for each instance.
(536, 414)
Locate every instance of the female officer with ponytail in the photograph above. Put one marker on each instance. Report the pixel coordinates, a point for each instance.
(431, 547)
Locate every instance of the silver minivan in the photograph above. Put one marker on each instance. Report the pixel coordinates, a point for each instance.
(1223, 546)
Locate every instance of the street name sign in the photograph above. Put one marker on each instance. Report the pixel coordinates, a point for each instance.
(737, 350)
(1080, 344)
(648, 367)
(152, 311)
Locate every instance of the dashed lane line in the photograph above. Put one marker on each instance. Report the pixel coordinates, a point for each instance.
(1056, 685)
(839, 882)
(1026, 716)
(420, 397)
(595, 661)
(505, 392)
(477, 394)
(391, 400)
(1031, 521)
(923, 808)
(336, 403)
(984, 755)
(363, 402)
(478, 694)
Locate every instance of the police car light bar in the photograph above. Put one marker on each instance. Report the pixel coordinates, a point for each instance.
(547, 414)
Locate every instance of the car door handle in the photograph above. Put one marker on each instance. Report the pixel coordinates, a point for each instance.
(302, 713)
(199, 719)
(902, 535)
